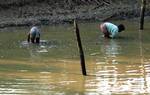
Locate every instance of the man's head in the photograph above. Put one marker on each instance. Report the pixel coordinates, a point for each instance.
(121, 27)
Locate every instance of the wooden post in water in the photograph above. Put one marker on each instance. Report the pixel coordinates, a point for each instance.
(143, 6)
(82, 60)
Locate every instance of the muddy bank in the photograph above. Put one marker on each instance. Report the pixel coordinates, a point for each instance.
(25, 12)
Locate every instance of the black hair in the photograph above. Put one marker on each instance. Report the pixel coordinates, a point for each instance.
(121, 27)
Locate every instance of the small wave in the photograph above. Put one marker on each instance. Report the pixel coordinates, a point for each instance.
(42, 44)
(42, 47)
(42, 51)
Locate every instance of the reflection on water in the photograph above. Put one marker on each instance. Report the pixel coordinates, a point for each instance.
(130, 80)
(111, 48)
(36, 49)
(43, 44)
(53, 66)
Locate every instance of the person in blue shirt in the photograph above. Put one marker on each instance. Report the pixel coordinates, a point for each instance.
(111, 30)
(34, 35)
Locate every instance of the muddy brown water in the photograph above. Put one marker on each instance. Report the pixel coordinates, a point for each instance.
(114, 66)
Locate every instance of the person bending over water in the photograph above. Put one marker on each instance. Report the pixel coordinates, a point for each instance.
(111, 30)
(34, 35)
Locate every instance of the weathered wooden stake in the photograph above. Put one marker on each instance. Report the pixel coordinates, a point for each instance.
(143, 6)
(82, 60)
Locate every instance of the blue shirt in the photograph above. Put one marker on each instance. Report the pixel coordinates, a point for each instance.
(35, 31)
(112, 29)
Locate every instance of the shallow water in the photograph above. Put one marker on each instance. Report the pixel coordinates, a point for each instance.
(114, 66)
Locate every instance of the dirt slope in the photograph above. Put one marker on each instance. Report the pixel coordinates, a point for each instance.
(26, 12)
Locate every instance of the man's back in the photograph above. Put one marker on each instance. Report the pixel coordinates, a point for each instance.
(35, 31)
(112, 29)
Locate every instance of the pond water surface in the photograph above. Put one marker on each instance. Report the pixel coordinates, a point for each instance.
(114, 66)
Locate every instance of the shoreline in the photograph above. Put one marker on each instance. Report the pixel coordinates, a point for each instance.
(44, 14)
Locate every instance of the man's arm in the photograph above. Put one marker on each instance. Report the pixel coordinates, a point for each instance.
(105, 31)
